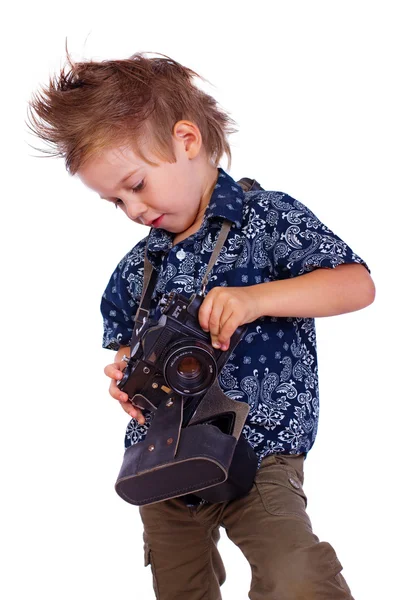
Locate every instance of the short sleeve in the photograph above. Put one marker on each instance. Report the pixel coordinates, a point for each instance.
(300, 242)
(121, 298)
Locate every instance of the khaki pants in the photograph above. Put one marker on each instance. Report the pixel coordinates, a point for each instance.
(270, 526)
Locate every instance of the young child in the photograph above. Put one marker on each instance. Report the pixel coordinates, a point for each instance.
(140, 134)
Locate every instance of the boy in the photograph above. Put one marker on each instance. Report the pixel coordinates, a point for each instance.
(143, 137)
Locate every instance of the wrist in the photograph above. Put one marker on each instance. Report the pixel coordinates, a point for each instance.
(124, 350)
(257, 301)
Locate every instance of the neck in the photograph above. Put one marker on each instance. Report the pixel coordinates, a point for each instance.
(210, 179)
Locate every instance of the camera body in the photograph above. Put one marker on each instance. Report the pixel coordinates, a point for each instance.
(173, 355)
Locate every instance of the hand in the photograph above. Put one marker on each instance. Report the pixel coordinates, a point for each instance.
(115, 372)
(224, 309)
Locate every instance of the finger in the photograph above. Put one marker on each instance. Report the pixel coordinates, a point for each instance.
(224, 332)
(121, 365)
(226, 314)
(116, 393)
(214, 322)
(115, 370)
(133, 412)
(205, 311)
(229, 327)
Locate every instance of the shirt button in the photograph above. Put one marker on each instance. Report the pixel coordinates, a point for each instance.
(294, 483)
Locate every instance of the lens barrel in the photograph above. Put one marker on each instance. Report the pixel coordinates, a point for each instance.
(190, 367)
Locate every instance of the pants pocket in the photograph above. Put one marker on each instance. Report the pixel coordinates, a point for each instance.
(281, 490)
(149, 560)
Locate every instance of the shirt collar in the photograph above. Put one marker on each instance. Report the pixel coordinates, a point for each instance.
(226, 201)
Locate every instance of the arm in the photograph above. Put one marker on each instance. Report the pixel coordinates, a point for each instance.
(118, 307)
(321, 293)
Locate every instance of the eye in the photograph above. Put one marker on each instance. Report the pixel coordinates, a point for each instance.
(139, 187)
(136, 189)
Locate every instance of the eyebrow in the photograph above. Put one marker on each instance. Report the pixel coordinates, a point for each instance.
(123, 180)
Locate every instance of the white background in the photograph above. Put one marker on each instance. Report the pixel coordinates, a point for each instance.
(313, 89)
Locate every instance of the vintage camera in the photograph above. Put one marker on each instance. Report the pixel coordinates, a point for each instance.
(173, 355)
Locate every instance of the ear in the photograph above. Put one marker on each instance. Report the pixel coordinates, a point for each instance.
(188, 134)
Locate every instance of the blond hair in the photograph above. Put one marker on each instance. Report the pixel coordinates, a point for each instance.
(98, 105)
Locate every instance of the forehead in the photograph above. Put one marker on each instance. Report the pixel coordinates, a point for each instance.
(109, 166)
(114, 158)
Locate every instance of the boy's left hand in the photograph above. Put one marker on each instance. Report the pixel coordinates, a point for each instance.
(224, 309)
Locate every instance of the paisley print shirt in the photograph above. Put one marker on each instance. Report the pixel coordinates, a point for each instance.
(274, 367)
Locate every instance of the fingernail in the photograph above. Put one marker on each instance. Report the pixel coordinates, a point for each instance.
(216, 345)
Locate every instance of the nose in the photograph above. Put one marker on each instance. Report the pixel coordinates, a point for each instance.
(134, 209)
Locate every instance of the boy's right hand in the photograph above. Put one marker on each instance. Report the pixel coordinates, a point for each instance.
(115, 372)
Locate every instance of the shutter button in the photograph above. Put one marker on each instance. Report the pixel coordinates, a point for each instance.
(294, 483)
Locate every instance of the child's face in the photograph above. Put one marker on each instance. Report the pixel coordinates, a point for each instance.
(172, 196)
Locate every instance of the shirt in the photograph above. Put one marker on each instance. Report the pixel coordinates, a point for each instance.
(274, 367)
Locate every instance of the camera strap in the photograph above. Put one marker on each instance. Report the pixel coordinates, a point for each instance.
(223, 234)
(150, 275)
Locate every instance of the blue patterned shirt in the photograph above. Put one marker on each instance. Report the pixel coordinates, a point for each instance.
(274, 367)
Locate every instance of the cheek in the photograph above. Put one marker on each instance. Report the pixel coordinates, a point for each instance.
(170, 202)
(173, 197)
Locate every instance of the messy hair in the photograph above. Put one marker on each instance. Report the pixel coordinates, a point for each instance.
(93, 105)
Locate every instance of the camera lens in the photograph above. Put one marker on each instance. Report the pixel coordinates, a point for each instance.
(190, 367)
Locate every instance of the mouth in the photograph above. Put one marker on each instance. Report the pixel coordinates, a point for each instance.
(156, 222)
